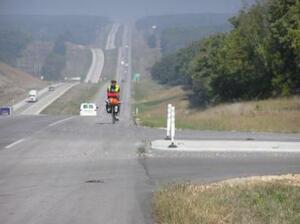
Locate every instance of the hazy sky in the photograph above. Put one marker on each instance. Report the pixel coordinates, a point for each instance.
(117, 8)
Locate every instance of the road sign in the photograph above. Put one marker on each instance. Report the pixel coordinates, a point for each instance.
(5, 111)
(136, 77)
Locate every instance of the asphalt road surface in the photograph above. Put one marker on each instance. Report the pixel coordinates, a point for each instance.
(86, 170)
(96, 67)
(45, 98)
(23, 104)
(111, 39)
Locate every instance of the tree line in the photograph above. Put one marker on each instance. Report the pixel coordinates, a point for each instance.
(12, 43)
(17, 31)
(259, 58)
(56, 60)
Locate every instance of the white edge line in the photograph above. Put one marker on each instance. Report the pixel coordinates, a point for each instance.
(14, 143)
(60, 121)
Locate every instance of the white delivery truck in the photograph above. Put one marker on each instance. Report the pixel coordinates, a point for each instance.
(32, 96)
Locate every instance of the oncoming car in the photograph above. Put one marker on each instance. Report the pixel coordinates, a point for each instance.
(88, 109)
(51, 88)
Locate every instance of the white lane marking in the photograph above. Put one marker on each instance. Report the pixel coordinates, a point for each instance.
(60, 121)
(14, 143)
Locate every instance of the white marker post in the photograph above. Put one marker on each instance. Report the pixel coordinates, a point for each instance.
(169, 112)
(173, 129)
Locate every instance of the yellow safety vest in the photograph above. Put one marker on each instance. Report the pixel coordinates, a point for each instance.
(115, 90)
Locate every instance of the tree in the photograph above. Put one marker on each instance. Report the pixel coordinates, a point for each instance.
(284, 18)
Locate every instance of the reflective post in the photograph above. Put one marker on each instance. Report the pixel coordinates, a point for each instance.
(173, 128)
(169, 122)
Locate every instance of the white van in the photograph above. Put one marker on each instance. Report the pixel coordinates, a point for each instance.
(88, 109)
(32, 96)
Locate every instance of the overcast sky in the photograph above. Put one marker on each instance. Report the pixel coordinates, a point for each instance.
(118, 8)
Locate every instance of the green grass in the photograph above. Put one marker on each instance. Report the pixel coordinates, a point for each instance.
(69, 103)
(273, 115)
(258, 202)
(86, 64)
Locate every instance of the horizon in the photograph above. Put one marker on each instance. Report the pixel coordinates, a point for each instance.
(118, 9)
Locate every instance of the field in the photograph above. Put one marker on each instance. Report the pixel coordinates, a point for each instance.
(273, 115)
(256, 200)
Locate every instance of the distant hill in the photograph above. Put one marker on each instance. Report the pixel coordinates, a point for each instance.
(173, 32)
(80, 29)
(184, 20)
(37, 43)
(14, 84)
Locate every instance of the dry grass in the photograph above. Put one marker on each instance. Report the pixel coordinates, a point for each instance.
(15, 84)
(151, 98)
(273, 115)
(241, 201)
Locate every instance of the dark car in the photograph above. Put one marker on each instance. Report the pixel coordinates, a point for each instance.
(51, 88)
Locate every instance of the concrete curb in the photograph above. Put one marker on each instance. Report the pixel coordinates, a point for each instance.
(227, 146)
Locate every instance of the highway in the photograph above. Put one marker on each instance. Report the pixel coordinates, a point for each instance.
(96, 67)
(86, 170)
(111, 39)
(45, 98)
(98, 60)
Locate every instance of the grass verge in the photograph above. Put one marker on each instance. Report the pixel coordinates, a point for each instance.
(151, 99)
(256, 200)
(69, 103)
(273, 115)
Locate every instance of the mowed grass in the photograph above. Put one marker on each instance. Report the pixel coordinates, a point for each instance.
(273, 115)
(69, 103)
(244, 202)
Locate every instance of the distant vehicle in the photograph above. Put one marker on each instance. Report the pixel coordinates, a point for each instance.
(122, 62)
(32, 96)
(88, 109)
(51, 88)
(75, 78)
